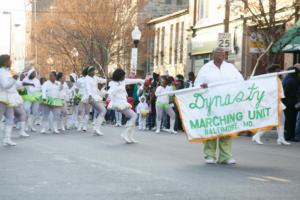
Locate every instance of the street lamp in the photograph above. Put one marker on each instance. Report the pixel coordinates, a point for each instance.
(10, 34)
(74, 54)
(136, 37)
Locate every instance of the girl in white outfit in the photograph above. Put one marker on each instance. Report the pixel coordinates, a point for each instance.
(9, 98)
(95, 98)
(118, 101)
(84, 108)
(51, 95)
(64, 94)
(31, 99)
(142, 110)
(73, 91)
(163, 104)
(280, 130)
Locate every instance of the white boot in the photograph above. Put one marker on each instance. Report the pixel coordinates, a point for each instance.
(130, 135)
(158, 124)
(257, 136)
(85, 123)
(31, 124)
(22, 130)
(7, 138)
(63, 123)
(44, 127)
(125, 135)
(97, 126)
(55, 130)
(281, 140)
(172, 126)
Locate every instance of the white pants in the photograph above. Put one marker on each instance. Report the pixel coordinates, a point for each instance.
(142, 122)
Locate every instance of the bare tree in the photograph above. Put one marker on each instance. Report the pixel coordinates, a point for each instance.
(99, 30)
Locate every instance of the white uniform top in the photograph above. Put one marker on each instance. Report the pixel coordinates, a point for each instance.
(50, 89)
(80, 84)
(64, 93)
(165, 99)
(31, 90)
(118, 94)
(210, 73)
(92, 87)
(8, 88)
(142, 106)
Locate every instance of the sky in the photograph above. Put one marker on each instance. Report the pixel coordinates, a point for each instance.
(17, 9)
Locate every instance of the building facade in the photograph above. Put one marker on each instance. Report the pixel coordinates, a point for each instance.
(169, 52)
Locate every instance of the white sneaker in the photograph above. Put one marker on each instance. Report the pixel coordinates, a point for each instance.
(84, 129)
(134, 140)
(210, 161)
(157, 130)
(282, 142)
(23, 134)
(230, 162)
(257, 140)
(124, 136)
(56, 131)
(98, 132)
(8, 142)
(173, 132)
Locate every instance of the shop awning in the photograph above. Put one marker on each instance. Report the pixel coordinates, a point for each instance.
(289, 42)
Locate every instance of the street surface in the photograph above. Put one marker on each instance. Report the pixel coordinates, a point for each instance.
(80, 166)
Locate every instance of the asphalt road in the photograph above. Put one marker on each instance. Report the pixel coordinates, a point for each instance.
(80, 166)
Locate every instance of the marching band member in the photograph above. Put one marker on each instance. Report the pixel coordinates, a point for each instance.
(118, 96)
(163, 104)
(84, 108)
(52, 102)
(73, 93)
(64, 94)
(142, 110)
(280, 130)
(9, 100)
(218, 70)
(95, 97)
(31, 98)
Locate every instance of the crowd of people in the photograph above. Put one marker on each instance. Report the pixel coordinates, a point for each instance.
(59, 102)
(63, 102)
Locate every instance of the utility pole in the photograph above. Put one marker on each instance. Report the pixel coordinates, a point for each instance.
(297, 9)
(227, 20)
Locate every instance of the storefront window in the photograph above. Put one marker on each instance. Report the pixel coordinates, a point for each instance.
(201, 60)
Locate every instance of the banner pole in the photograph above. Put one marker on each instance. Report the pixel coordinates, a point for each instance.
(224, 82)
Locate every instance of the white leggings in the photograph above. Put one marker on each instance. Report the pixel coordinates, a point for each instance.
(169, 111)
(8, 113)
(32, 108)
(56, 111)
(99, 108)
(19, 113)
(131, 115)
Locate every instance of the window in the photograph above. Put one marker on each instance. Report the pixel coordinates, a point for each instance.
(203, 9)
(162, 46)
(157, 45)
(179, 2)
(176, 43)
(181, 43)
(171, 44)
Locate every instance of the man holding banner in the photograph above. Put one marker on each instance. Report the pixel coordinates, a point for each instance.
(218, 70)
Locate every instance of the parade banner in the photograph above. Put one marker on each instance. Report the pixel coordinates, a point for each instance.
(229, 108)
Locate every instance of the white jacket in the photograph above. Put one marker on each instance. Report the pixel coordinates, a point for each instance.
(210, 73)
(165, 98)
(8, 89)
(31, 90)
(142, 106)
(118, 94)
(80, 84)
(53, 90)
(92, 90)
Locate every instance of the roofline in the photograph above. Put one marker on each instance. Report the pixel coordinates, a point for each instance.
(169, 16)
